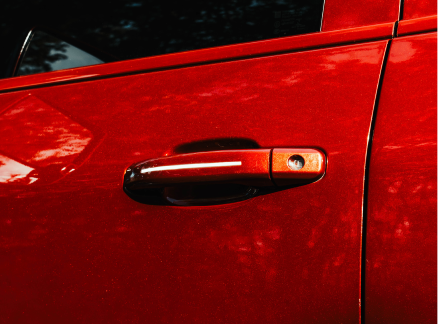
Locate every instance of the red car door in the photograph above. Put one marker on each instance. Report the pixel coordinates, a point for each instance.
(400, 283)
(76, 248)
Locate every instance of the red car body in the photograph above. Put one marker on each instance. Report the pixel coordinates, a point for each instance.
(358, 245)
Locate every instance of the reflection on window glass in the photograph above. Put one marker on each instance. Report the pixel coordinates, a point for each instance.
(128, 29)
(46, 53)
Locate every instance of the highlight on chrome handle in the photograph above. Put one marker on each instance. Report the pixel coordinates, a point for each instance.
(254, 168)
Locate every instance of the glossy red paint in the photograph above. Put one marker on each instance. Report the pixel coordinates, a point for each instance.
(420, 25)
(419, 8)
(401, 241)
(81, 250)
(341, 14)
(209, 55)
(52, 133)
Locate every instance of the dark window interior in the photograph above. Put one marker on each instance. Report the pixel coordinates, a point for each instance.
(133, 29)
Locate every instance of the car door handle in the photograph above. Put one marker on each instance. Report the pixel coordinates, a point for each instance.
(252, 167)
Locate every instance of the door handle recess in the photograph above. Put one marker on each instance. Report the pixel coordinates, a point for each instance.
(252, 167)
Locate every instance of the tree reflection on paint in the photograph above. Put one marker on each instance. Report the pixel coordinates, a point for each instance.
(37, 137)
(12, 171)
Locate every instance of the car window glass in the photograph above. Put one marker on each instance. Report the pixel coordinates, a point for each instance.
(44, 53)
(128, 29)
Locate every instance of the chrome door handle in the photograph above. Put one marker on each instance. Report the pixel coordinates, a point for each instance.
(252, 167)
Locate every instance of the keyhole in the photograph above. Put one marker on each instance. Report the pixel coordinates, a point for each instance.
(295, 162)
